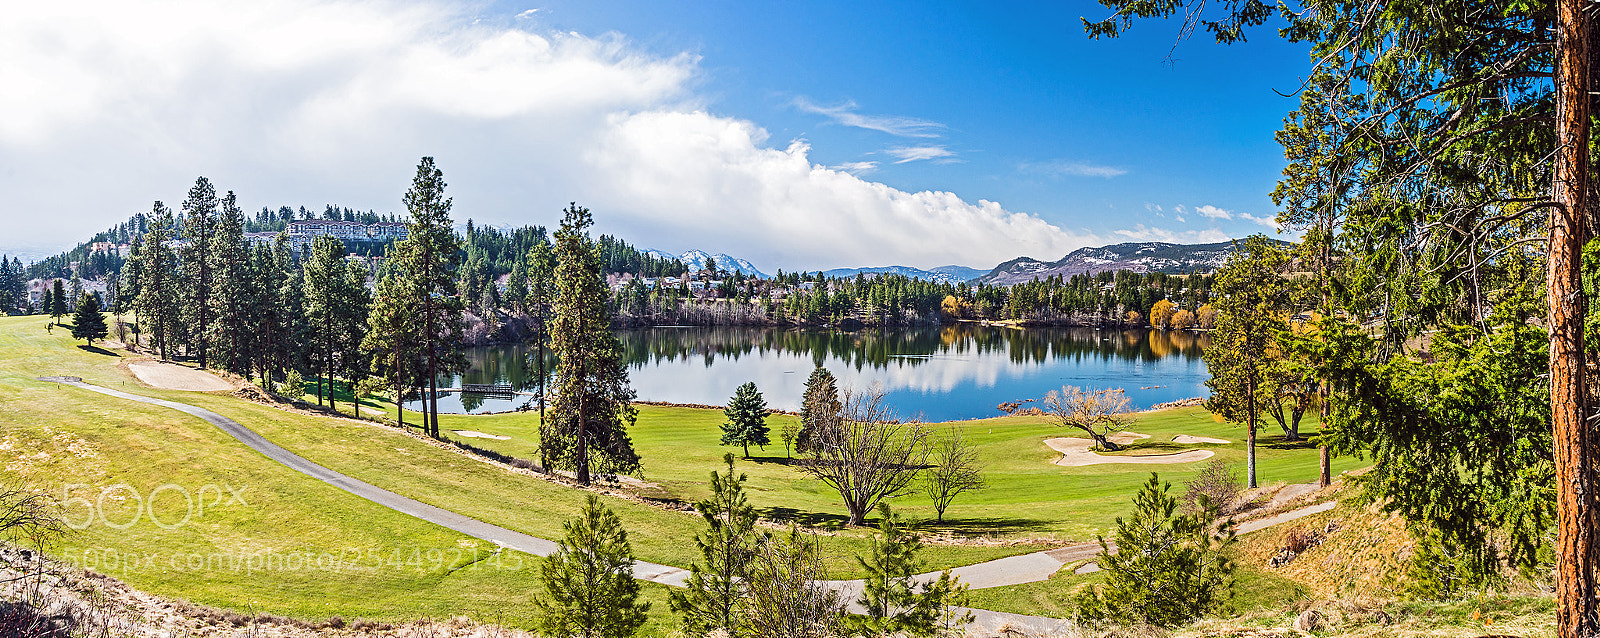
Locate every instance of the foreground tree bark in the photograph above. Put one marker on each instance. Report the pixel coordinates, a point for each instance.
(1575, 588)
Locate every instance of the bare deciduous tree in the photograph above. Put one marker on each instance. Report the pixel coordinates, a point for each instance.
(787, 598)
(864, 453)
(1096, 412)
(956, 469)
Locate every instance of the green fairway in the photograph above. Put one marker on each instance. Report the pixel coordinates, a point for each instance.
(289, 544)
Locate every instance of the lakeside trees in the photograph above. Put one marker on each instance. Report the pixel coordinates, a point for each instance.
(587, 429)
(864, 453)
(1252, 307)
(425, 261)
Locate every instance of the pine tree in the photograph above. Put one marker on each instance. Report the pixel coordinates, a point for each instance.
(199, 225)
(391, 339)
(1252, 307)
(714, 594)
(589, 587)
(426, 259)
(57, 303)
(157, 303)
(336, 311)
(231, 291)
(588, 428)
(1167, 569)
(895, 603)
(87, 323)
(747, 419)
(820, 401)
(541, 261)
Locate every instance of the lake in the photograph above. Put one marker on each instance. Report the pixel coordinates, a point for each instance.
(944, 373)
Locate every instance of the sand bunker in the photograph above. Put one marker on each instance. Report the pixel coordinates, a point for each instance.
(1075, 452)
(474, 434)
(1186, 438)
(170, 376)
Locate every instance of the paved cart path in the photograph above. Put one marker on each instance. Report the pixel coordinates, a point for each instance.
(1012, 570)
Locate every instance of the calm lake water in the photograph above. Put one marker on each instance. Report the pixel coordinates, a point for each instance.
(938, 374)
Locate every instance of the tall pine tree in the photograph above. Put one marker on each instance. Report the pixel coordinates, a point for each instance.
(231, 289)
(199, 225)
(1252, 307)
(587, 430)
(427, 258)
(157, 303)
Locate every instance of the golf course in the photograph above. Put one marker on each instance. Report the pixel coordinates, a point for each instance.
(173, 506)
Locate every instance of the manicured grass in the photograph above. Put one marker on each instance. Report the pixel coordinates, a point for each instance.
(1028, 497)
(61, 436)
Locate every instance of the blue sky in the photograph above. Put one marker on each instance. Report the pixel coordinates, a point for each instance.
(1034, 114)
(812, 135)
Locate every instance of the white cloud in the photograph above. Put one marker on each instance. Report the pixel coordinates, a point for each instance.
(1075, 169)
(1154, 208)
(528, 14)
(1180, 219)
(856, 168)
(1212, 212)
(1144, 233)
(1270, 222)
(916, 153)
(110, 105)
(894, 125)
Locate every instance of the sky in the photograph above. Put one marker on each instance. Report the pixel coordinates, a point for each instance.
(800, 136)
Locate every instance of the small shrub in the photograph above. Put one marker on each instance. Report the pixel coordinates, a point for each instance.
(294, 386)
(1220, 486)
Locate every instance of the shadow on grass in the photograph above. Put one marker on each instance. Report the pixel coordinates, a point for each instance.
(1279, 443)
(1148, 446)
(977, 526)
(808, 519)
(97, 350)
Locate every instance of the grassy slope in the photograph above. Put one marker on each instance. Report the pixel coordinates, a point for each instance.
(100, 441)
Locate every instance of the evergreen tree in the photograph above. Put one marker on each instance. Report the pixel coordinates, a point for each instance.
(895, 603)
(588, 428)
(230, 268)
(336, 311)
(74, 291)
(13, 285)
(391, 339)
(157, 303)
(747, 419)
(56, 304)
(821, 400)
(199, 225)
(1252, 309)
(426, 259)
(715, 592)
(541, 260)
(1167, 569)
(87, 323)
(589, 587)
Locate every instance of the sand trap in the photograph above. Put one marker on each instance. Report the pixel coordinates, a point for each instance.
(1075, 452)
(171, 376)
(474, 434)
(1185, 438)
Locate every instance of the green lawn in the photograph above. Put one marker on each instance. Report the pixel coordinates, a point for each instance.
(296, 546)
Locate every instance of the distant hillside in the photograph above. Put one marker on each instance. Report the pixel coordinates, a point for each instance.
(696, 260)
(942, 274)
(1136, 256)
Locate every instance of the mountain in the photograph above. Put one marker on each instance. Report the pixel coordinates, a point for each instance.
(1151, 256)
(696, 260)
(942, 274)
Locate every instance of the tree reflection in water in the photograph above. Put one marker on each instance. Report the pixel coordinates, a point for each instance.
(945, 372)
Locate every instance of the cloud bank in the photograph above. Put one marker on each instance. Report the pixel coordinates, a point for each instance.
(111, 105)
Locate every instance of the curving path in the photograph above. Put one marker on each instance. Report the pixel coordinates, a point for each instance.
(1012, 570)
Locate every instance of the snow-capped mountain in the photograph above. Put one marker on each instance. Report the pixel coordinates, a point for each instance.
(696, 260)
(1138, 257)
(943, 274)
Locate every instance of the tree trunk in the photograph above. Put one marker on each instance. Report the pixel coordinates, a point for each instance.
(582, 463)
(1250, 435)
(1575, 587)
